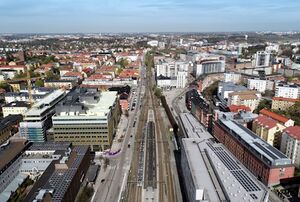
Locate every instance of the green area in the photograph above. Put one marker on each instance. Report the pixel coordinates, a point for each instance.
(247, 53)
(211, 90)
(123, 63)
(20, 193)
(5, 86)
(86, 194)
(43, 59)
(263, 104)
(292, 113)
(149, 60)
(39, 83)
(50, 75)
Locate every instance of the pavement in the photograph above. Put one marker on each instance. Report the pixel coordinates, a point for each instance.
(116, 173)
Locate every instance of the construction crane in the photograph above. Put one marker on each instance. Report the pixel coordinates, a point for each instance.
(28, 78)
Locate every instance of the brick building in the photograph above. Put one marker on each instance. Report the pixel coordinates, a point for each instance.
(267, 163)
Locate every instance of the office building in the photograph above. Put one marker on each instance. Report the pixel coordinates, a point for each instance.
(62, 84)
(287, 90)
(210, 172)
(87, 117)
(62, 178)
(209, 65)
(280, 103)
(14, 108)
(290, 144)
(267, 163)
(58, 169)
(260, 85)
(37, 120)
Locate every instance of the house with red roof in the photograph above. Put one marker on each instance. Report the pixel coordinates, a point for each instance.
(268, 129)
(238, 108)
(290, 144)
(281, 119)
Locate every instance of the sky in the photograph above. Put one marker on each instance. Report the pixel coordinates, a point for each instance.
(99, 16)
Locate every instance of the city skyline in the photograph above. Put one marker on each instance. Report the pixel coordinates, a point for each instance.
(66, 16)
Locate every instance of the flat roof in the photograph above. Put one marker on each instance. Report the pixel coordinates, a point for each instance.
(11, 151)
(215, 170)
(271, 155)
(17, 104)
(45, 103)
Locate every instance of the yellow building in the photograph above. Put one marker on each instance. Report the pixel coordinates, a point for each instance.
(280, 103)
(268, 129)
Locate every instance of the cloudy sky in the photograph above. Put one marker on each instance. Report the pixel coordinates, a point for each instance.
(61, 16)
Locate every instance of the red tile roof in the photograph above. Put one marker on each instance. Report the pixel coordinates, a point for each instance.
(237, 108)
(73, 74)
(266, 121)
(285, 99)
(293, 131)
(274, 116)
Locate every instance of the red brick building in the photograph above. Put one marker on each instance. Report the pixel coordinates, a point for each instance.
(267, 163)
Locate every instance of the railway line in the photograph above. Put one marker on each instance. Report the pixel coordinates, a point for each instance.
(152, 145)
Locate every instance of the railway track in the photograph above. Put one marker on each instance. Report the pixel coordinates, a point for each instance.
(158, 145)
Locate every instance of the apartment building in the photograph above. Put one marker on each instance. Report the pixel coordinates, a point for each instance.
(9, 126)
(262, 59)
(232, 77)
(281, 119)
(290, 144)
(268, 129)
(287, 90)
(87, 117)
(260, 85)
(247, 98)
(14, 108)
(281, 103)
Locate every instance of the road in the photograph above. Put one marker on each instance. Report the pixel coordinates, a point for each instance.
(115, 175)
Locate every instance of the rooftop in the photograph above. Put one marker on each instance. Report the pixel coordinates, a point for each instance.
(293, 131)
(46, 103)
(285, 99)
(273, 115)
(10, 151)
(17, 104)
(270, 155)
(86, 102)
(266, 121)
(216, 173)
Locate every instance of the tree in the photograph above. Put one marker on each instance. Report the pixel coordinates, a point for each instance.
(51, 76)
(211, 90)
(263, 104)
(39, 83)
(157, 92)
(5, 86)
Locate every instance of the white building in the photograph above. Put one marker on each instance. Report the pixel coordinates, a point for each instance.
(169, 69)
(153, 43)
(209, 65)
(290, 144)
(247, 98)
(260, 85)
(232, 77)
(287, 90)
(37, 120)
(262, 59)
(14, 108)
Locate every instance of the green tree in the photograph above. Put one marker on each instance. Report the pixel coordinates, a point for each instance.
(39, 83)
(263, 104)
(157, 92)
(5, 86)
(51, 76)
(211, 90)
